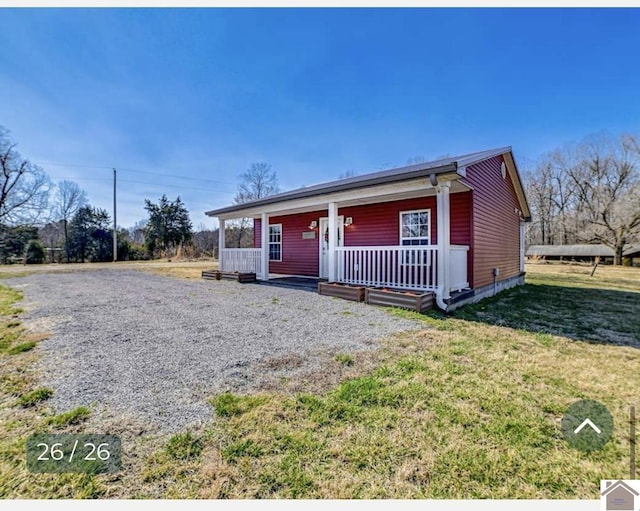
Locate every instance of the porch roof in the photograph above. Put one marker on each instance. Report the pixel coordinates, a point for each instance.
(384, 183)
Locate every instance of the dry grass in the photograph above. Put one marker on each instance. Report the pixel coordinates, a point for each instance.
(467, 409)
(578, 275)
(189, 270)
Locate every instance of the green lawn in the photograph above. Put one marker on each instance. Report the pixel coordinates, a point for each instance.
(469, 408)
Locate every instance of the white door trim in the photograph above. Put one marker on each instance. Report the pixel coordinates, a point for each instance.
(323, 224)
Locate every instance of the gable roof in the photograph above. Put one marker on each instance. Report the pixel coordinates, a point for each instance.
(618, 484)
(455, 165)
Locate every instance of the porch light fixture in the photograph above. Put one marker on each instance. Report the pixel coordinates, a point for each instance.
(313, 224)
(348, 221)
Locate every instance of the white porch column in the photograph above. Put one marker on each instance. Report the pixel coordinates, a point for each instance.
(264, 244)
(221, 234)
(444, 239)
(333, 229)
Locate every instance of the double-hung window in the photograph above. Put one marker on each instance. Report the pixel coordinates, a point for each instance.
(415, 229)
(275, 242)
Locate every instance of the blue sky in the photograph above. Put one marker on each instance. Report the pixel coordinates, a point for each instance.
(200, 94)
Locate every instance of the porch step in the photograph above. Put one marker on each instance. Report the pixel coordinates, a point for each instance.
(458, 296)
(303, 284)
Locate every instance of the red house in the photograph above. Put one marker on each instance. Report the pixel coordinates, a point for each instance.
(454, 226)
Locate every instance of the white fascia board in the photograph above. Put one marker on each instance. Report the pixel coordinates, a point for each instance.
(321, 201)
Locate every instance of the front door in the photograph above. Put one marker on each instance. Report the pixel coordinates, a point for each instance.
(324, 243)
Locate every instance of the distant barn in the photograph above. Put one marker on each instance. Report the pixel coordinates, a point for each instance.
(580, 253)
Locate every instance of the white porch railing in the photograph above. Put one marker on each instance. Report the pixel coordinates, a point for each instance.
(400, 267)
(458, 267)
(242, 260)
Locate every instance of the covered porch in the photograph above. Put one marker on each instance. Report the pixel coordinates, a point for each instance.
(395, 267)
(439, 267)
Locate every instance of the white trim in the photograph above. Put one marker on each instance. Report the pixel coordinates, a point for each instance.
(333, 225)
(444, 243)
(243, 260)
(458, 256)
(421, 186)
(221, 234)
(274, 243)
(264, 245)
(401, 237)
(322, 222)
(398, 267)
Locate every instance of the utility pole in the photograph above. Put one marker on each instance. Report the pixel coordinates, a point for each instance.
(115, 234)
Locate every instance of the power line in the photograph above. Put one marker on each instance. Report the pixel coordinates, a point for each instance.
(54, 164)
(178, 187)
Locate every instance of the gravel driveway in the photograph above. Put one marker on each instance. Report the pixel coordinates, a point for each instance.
(154, 347)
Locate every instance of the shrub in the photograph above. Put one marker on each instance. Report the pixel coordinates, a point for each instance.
(35, 252)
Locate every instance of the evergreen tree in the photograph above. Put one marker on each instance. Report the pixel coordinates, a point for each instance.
(90, 235)
(168, 227)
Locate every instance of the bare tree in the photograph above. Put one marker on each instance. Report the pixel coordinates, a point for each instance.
(415, 160)
(587, 193)
(539, 186)
(552, 197)
(258, 181)
(607, 183)
(69, 199)
(347, 174)
(52, 235)
(205, 241)
(24, 187)
(136, 233)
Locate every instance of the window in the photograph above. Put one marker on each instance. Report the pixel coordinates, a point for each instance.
(275, 242)
(415, 227)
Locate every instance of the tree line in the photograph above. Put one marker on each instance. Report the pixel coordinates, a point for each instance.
(587, 192)
(41, 221)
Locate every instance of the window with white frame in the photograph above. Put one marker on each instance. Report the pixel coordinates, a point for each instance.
(275, 242)
(415, 230)
(415, 227)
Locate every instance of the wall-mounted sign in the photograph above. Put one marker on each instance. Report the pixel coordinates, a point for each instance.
(308, 235)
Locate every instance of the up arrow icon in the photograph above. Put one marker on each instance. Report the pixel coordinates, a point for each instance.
(587, 422)
(581, 414)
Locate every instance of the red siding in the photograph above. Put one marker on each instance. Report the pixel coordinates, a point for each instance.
(379, 224)
(373, 224)
(495, 223)
(299, 256)
(460, 208)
